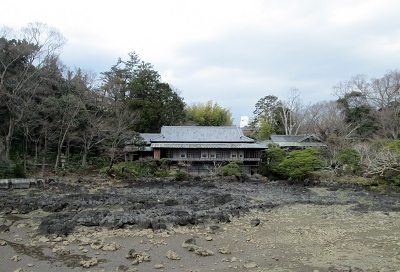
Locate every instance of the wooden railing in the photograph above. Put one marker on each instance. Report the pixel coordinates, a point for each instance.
(214, 159)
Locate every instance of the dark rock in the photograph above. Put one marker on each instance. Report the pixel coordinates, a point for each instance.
(214, 229)
(158, 203)
(171, 202)
(55, 207)
(158, 226)
(59, 224)
(255, 222)
(4, 228)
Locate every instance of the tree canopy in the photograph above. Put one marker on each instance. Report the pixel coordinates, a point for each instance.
(139, 86)
(208, 114)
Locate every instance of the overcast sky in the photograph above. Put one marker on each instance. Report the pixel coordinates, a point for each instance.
(232, 52)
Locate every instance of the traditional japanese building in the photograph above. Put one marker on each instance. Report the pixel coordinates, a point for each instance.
(205, 144)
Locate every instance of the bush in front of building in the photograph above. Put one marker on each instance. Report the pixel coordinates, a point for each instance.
(232, 169)
(300, 164)
(181, 175)
(131, 169)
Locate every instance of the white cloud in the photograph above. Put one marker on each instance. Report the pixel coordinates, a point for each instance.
(230, 51)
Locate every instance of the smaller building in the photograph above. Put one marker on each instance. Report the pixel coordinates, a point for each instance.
(295, 141)
(140, 147)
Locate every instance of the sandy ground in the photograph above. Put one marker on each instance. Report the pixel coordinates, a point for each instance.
(293, 237)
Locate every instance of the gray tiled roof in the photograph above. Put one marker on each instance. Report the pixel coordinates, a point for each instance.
(148, 136)
(292, 138)
(201, 134)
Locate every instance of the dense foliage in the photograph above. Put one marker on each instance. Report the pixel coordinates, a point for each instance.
(299, 164)
(271, 159)
(232, 169)
(208, 114)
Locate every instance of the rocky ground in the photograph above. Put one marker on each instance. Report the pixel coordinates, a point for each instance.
(163, 225)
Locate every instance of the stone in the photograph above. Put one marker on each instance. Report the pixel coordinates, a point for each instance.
(203, 252)
(138, 257)
(224, 250)
(4, 228)
(60, 250)
(58, 239)
(96, 245)
(172, 255)
(89, 263)
(16, 258)
(189, 242)
(44, 239)
(159, 266)
(214, 229)
(255, 222)
(250, 264)
(111, 247)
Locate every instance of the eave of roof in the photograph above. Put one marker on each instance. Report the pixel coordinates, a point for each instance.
(208, 145)
(295, 144)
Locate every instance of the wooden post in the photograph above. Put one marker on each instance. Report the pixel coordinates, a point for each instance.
(157, 154)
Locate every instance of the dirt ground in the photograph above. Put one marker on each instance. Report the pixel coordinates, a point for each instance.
(291, 236)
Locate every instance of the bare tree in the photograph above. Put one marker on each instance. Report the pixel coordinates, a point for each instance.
(385, 91)
(22, 55)
(63, 113)
(95, 131)
(118, 130)
(325, 118)
(378, 100)
(291, 112)
(378, 161)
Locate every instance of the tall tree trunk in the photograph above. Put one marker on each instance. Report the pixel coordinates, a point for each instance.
(59, 149)
(8, 139)
(84, 159)
(25, 146)
(44, 151)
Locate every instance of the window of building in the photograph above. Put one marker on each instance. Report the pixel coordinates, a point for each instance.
(251, 154)
(194, 153)
(170, 153)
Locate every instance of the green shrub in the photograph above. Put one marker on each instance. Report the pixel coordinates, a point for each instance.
(18, 171)
(349, 158)
(232, 169)
(5, 169)
(10, 170)
(162, 174)
(165, 163)
(131, 169)
(270, 161)
(396, 180)
(299, 164)
(181, 175)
